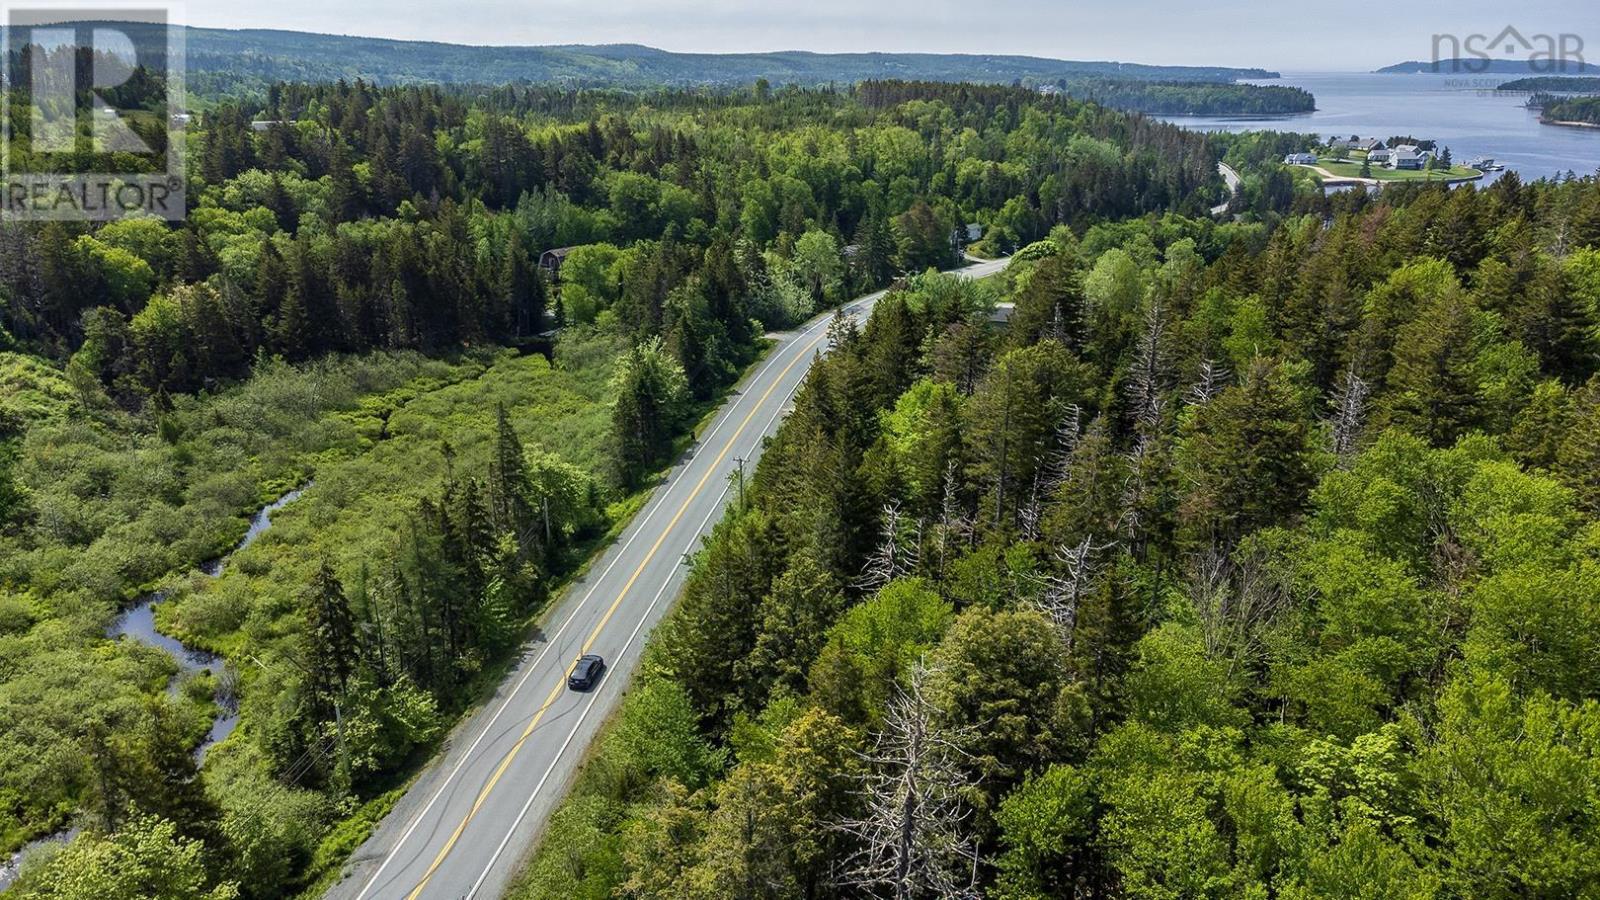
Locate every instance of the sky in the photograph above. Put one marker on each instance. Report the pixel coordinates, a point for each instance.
(1287, 35)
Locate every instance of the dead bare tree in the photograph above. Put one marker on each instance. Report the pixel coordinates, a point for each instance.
(1147, 379)
(1058, 461)
(1032, 512)
(1059, 594)
(1213, 378)
(899, 552)
(1134, 492)
(913, 835)
(1349, 416)
(954, 526)
(1234, 602)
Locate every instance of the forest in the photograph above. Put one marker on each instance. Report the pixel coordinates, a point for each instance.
(1257, 559)
(1558, 109)
(355, 307)
(240, 62)
(1552, 84)
(1191, 98)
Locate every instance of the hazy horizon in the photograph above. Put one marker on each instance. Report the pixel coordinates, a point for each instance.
(1242, 33)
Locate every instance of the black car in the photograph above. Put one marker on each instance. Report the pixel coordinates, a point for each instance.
(586, 673)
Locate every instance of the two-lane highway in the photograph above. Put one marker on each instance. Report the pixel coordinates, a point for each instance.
(463, 827)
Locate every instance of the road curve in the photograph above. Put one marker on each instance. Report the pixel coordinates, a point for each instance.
(462, 829)
(1231, 179)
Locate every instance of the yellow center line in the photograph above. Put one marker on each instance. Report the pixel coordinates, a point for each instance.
(595, 634)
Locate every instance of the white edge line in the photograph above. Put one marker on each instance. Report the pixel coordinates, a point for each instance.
(822, 320)
(718, 507)
(657, 505)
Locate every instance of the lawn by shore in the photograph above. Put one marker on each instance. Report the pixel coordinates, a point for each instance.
(1330, 170)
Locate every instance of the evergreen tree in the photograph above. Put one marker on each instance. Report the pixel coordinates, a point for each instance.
(651, 391)
(332, 651)
(1433, 390)
(1246, 459)
(1050, 306)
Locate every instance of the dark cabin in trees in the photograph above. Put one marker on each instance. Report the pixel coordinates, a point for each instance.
(551, 261)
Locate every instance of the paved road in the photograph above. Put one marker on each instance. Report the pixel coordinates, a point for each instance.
(463, 828)
(1231, 178)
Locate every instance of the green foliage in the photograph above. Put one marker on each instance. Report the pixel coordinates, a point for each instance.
(146, 860)
(651, 398)
(874, 645)
(1046, 824)
(1270, 573)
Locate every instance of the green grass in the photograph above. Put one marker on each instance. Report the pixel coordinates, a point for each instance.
(1351, 168)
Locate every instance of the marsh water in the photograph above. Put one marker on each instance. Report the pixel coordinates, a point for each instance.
(138, 623)
(1462, 112)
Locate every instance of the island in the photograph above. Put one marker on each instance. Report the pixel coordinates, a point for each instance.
(1551, 84)
(1571, 112)
(1483, 65)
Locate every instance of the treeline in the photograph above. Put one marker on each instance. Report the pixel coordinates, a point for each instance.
(1555, 109)
(1239, 563)
(1191, 98)
(347, 217)
(1551, 84)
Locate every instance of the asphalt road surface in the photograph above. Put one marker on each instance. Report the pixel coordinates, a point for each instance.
(464, 826)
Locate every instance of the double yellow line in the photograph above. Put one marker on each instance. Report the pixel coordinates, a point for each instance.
(594, 635)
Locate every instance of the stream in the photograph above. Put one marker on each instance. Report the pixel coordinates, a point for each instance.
(138, 623)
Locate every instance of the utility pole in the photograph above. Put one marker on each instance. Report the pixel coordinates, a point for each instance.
(338, 715)
(741, 461)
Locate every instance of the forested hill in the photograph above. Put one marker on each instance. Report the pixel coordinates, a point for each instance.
(1476, 66)
(226, 61)
(286, 55)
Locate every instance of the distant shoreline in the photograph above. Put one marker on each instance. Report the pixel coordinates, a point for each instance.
(1564, 123)
(1262, 117)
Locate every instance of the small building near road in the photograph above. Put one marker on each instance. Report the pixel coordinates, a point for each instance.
(1379, 156)
(1300, 159)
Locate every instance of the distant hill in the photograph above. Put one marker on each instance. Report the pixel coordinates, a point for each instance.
(1476, 66)
(225, 61)
(287, 55)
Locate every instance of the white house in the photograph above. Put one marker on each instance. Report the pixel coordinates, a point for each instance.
(1407, 159)
(1300, 159)
(1379, 155)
